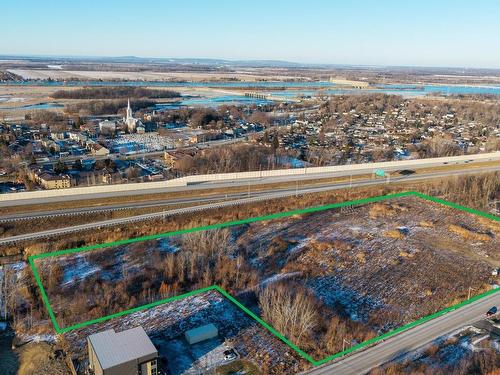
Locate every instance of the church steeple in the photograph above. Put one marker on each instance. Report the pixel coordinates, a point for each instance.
(129, 110)
(130, 121)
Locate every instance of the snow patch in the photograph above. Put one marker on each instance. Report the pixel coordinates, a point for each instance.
(165, 246)
(78, 271)
(37, 338)
(279, 277)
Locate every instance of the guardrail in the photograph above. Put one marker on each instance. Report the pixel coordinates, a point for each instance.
(137, 218)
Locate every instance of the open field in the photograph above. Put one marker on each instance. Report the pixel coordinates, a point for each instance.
(364, 270)
(243, 75)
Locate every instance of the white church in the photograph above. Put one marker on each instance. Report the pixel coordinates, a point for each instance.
(133, 124)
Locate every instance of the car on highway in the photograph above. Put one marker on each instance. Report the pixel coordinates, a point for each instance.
(407, 172)
(492, 311)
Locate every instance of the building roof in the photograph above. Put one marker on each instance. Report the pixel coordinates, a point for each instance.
(47, 176)
(198, 334)
(113, 348)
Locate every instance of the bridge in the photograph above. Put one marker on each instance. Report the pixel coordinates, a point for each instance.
(260, 95)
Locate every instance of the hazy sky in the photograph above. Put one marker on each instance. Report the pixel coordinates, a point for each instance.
(463, 33)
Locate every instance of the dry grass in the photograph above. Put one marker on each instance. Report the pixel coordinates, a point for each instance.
(426, 224)
(491, 225)
(467, 234)
(39, 359)
(396, 234)
(380, 210)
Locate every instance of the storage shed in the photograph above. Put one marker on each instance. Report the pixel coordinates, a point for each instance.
(202, 333)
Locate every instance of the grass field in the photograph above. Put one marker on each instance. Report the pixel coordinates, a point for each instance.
(253, 221)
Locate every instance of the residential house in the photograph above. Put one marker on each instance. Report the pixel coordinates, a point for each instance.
(96, 149)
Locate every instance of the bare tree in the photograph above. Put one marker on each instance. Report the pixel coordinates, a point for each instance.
(290, 309)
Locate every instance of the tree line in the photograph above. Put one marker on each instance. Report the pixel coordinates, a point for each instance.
(115, 92)
(108, 107)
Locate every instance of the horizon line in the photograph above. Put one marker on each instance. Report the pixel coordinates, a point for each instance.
(252, 60)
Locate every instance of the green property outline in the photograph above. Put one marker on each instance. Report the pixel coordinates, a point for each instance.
(301, 353)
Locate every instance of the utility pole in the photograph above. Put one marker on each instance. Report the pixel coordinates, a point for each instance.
(344, 341)
(468, 294)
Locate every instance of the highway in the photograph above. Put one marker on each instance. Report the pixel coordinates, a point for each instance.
(254, 197)
(116, 207)
(363, 361)
(127, 220)
(241, 179)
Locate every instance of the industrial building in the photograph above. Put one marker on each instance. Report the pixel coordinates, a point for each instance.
(129, 352)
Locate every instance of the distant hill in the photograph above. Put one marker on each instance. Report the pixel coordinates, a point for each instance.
(225, 63)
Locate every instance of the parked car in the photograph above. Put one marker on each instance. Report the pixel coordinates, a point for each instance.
(491, 311)
(230, 355)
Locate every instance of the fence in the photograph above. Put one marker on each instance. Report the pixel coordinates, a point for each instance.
(314, 172)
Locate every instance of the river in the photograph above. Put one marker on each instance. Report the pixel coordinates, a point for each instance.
(276, 88)
(308, 87)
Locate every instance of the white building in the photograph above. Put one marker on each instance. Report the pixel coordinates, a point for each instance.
(108, 127)
(131, 122)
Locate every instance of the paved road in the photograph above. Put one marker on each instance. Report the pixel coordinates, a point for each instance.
(240, 195)
(267, 195)
(363, 361)
(115, 207)
(227, 180)
(106, 223)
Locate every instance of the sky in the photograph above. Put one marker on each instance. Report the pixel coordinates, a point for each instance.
(455, 33)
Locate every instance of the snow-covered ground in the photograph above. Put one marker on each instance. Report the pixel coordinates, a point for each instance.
(279, 277)
(201, 358)
(382, 261)
(330, 291)
(150, 142)
(166, 324)
(35, 337)
(79, 270)
(9, 99)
